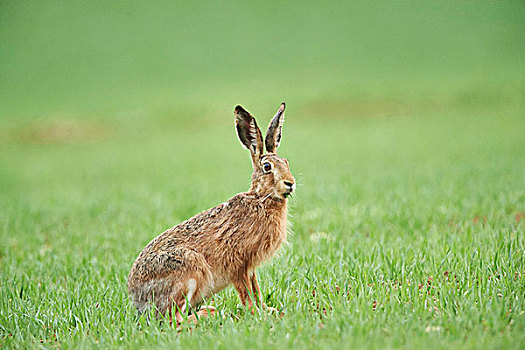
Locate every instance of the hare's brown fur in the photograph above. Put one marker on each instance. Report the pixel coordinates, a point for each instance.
(224, 244)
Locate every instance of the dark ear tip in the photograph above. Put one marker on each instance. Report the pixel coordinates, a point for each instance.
(239, 108)
(283, 105)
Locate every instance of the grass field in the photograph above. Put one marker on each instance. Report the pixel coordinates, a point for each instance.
(405, 131)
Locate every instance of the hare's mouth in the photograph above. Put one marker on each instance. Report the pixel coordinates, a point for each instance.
(287, 194)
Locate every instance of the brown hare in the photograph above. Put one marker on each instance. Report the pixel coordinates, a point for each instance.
(223, 245)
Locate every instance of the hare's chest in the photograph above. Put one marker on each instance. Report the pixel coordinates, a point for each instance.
(270, 240)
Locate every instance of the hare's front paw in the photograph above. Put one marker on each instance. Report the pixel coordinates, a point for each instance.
(272, 310)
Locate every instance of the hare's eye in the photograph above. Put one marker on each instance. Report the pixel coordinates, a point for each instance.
(267, 167)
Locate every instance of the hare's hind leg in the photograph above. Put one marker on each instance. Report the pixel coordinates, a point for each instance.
(204, 311)
(182, 298)
(181, 288)
(196, 281)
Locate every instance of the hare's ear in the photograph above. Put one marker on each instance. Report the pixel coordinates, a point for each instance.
(249, 133)
(273, 135)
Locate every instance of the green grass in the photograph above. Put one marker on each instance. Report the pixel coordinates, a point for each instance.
(405, 131)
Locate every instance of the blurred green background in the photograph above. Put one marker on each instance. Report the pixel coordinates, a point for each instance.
(125, 59)
(405, 127)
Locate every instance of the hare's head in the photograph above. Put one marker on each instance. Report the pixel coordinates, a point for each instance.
(271, 173)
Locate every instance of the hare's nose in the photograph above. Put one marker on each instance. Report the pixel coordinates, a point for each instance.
(290, 185)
